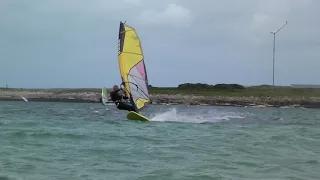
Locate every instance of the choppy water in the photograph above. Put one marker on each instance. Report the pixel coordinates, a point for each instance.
(91, 141)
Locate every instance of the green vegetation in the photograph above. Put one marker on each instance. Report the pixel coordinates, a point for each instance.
(236, 90)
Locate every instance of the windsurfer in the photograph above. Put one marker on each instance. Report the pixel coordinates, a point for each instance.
(117, 99)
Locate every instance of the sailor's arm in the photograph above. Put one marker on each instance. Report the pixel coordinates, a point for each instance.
(123, 96)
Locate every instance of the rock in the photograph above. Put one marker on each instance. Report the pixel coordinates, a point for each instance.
(60, 96)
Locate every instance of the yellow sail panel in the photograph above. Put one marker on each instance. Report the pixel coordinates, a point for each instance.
(132, 66)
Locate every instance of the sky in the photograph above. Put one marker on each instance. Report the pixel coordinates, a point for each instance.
(74, 43)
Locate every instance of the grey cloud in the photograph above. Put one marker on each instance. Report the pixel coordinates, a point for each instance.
(197, 41)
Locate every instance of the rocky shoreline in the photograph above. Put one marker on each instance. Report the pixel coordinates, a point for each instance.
(92, 97)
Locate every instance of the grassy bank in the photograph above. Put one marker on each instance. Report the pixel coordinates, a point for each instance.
(258, 91)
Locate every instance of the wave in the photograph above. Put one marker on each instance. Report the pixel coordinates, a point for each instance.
(210, 116)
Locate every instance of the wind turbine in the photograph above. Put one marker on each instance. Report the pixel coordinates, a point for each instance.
(274, 49)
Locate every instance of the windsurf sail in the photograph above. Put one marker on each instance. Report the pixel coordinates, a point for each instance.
(104, 96)
(132, 67)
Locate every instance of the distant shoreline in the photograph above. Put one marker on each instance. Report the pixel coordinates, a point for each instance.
(94, 95)
(49, 100)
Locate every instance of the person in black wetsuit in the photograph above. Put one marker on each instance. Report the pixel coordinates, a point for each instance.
(117, 99)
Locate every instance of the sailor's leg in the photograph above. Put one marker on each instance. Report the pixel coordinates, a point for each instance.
(125, 106)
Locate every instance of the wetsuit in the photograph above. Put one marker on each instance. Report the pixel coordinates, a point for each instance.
(116, 98)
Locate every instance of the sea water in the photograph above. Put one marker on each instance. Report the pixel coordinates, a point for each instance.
(91, 141)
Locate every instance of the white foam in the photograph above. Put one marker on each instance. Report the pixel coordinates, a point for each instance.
(210, 116)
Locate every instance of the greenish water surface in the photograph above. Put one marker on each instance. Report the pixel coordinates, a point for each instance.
(92, 141)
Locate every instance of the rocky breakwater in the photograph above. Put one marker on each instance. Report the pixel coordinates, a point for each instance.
(49, 96)
(310, 102)
(94, 97)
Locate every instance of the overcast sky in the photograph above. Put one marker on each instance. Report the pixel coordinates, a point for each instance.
(73, 43)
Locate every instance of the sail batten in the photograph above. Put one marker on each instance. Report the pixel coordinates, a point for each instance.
(132, 66)
(132, 53)
(137, 77)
